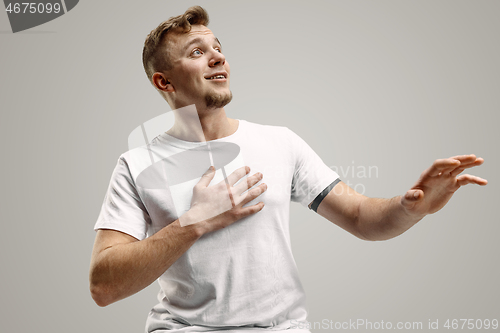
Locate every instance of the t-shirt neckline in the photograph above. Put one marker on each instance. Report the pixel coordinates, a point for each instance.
(190, 144)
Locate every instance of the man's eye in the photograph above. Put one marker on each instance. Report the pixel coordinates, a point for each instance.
(196, 52)
(218, 50)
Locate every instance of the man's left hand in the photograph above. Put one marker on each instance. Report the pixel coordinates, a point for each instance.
(437, 184)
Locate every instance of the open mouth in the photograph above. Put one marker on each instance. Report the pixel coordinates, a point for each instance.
(217, 76)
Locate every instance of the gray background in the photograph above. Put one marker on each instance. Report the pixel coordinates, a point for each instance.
(391, 84)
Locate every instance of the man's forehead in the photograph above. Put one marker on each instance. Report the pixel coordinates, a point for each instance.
(197, 33)
(178, 42)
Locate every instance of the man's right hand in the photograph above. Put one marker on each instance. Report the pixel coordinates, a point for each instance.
(217, 206)
(122, 265)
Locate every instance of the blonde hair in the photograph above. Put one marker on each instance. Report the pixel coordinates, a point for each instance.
(154, 57)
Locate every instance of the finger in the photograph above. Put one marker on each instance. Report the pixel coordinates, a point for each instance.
(414, 195)
(476, 162)
(465, 165)
(252, 194)
(465, 158)
(439, 166)
(237, 175)
(251, 181)
(457, 171)
(246, 211)
(469, 160)
(469, 179)
(411, 197)
(207, 177)
(448, 171)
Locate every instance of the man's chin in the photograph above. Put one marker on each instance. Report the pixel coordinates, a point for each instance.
(218, 101)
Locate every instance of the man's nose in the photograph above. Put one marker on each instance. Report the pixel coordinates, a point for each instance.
(217, 59)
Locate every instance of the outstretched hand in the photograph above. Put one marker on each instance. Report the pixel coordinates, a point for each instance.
(436, 185)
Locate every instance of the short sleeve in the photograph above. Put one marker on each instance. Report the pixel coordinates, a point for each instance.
(123, 209)
(311, 175)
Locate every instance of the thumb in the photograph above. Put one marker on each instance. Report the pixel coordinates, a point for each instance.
(411, 197)
(207, 177)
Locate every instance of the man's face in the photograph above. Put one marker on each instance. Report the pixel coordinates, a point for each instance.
(200, 73)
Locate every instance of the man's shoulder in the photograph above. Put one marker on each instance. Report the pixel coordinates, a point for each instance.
(137, 159)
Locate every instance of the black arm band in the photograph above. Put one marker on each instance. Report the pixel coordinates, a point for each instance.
(322, 195)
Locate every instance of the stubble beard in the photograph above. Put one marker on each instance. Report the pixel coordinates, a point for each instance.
(217, 101)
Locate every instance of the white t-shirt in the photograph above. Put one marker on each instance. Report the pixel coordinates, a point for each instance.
(242, 277)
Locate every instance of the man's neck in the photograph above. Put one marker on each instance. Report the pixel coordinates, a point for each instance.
(214, 124)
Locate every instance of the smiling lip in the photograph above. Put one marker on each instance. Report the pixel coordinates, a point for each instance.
(224, 74)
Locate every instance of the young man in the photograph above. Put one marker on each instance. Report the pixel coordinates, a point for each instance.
(218, 240)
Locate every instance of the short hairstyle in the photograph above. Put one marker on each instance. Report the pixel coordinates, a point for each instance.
(154, 57)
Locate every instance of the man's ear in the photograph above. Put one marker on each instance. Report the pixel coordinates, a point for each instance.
(161, 82)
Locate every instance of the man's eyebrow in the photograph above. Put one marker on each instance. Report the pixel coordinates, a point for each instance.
(199, 40)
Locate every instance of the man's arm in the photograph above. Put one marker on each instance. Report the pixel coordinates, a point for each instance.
(121, 265)
(381, 219)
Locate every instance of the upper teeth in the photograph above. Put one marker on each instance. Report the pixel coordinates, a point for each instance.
(217, 77)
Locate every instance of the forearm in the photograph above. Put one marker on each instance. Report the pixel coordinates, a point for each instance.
(381, 219)
(123, 269)
(121, 265)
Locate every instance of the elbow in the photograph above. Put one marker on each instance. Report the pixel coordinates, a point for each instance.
(99, 290)
(363, 237)
(99, 295)
(375, 239)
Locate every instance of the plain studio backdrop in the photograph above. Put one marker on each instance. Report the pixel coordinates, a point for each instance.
(379, 89)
